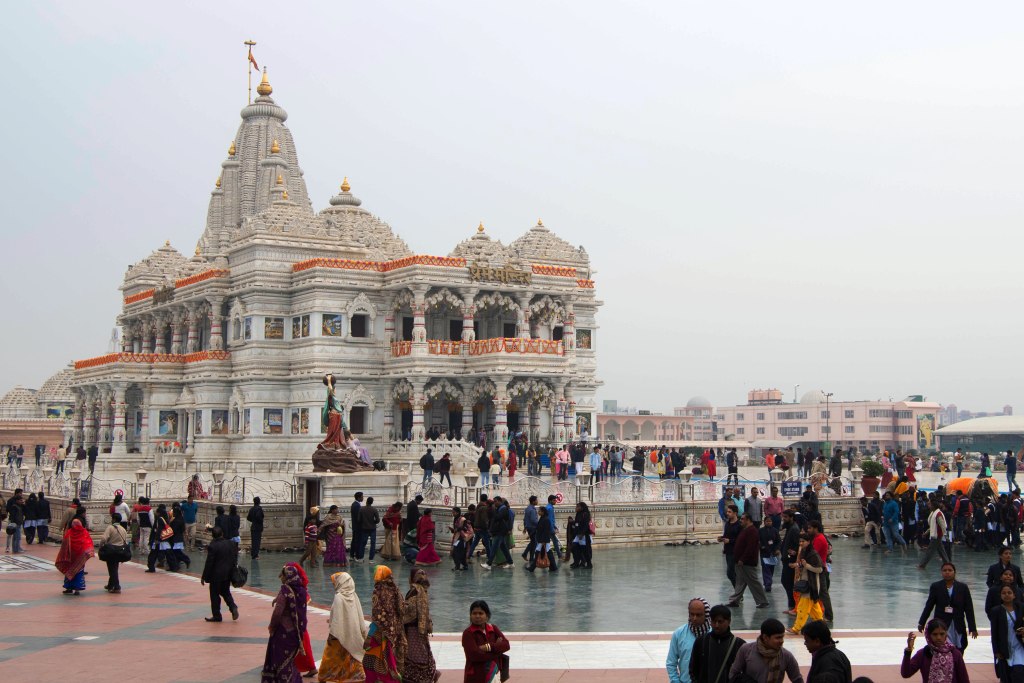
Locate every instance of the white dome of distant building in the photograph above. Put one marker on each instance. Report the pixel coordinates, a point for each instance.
(57, 389)
(698, 402)
(812, 398)
(19, 404)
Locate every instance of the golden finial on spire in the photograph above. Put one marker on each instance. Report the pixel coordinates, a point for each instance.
(231, 149)
(167, 243)
(284, 195)
(480, 228)
(218, 182)
(345, 187)
(274, 147)
(264, 88)
(198, 251)
(280, 179)
(540, 222)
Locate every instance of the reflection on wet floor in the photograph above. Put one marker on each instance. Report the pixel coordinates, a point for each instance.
(646, 589)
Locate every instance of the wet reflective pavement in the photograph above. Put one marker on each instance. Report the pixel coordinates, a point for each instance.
(646, 589)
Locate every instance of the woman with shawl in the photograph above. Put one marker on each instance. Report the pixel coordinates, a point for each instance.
(419, 660)
(333, 528)
(384, 648)
(75, 551)
(425, 537)
(304, 661)
(287, 624)
(392, 549)
(344, 649)
(938, 661)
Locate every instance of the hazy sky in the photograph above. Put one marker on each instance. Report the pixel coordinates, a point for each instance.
(772, 194)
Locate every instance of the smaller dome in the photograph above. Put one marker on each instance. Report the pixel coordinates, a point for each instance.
(698, 402)
(480, 248)
(19, 403)
(57, 389)
(813, 398)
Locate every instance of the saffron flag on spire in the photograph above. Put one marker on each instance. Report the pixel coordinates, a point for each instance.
(253, 60)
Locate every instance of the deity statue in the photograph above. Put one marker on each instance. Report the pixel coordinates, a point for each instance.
(335, 453)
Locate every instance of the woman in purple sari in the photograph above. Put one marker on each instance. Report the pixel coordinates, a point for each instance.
(333, 531)
(286, 627)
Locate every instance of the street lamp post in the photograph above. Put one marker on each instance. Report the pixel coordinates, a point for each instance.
(828, 416)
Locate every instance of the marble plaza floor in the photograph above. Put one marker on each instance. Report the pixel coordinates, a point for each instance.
(610, 623)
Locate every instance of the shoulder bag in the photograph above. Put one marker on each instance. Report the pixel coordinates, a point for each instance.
(121, 552)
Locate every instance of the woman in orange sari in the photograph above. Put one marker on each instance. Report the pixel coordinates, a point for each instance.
(384, 648)
(75, 550)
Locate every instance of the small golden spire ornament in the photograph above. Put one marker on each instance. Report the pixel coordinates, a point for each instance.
(218, 182)
(345, 187)
(480, 228)
(274, 147)
(284, 195)
(231, 149)
(264, 88)
(280, 179)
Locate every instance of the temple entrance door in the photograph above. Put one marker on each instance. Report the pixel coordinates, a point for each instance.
(407, 324)
(406, 420)
(357, 420)
(454, 419)
(513, 419)
(312, 493)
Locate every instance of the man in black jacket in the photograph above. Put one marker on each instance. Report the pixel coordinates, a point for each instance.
(220, 560)
(498, 530)
(714, 652)
(827, 663)
(255, 519)
(412, 514)
(789, 547)
(356, 504)
(369, 518)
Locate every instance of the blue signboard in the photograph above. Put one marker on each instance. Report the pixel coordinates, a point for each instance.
(791, 489)
(85, 489)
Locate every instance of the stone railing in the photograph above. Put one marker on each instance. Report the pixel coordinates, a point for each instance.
(401, 348)
(516, 345)
(406, 454)
(139, 358)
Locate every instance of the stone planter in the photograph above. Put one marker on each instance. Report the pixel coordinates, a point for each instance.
(869, 485)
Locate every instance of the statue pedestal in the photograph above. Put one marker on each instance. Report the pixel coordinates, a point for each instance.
(328, 488)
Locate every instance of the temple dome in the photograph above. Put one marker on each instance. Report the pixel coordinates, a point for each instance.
(163, 266)
(352, 226)
(540, 245)
(19, 404)
(262, 163)
(698, 402)
(57, 389)
(480, 248)
(812, 398)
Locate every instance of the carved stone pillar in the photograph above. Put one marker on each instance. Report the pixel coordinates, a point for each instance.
(501, 410)
(389, 418)
(524, 315)
(159, 328)
(418, 402)
(178, 331)
(79, 419)
(569, 329)
(147, 336)
(187, 438)
(534, 422)
(389, 327)
(144, 427)
(216, 337)
(468, 314)
(419, 322)
(467, 419)
(119, 445)
(192, 345)
(106, 418)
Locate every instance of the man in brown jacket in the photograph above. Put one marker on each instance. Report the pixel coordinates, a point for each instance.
(748, 565)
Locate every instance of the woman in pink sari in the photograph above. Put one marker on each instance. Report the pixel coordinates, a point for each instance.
(425, 537)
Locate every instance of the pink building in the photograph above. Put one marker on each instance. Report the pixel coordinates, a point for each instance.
(644, 426)
(865, 425)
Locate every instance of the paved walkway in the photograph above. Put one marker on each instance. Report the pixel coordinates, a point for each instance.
(156, 628)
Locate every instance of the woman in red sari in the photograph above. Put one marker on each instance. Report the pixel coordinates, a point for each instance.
(304, 661)
(75, 551)
(425, 537)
